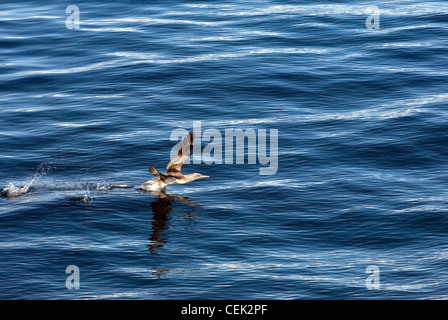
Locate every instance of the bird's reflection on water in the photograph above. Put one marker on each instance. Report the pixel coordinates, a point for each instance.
(161, 207)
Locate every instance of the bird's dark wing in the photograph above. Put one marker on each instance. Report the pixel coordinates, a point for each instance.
(185, 150)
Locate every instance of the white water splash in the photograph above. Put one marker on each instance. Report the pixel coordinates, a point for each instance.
(12, 191)
(106, 186)
(87, 196)
(100, 186)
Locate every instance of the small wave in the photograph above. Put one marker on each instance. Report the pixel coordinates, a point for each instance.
(129, 29)
(84, 199)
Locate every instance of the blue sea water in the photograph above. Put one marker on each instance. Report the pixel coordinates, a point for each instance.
(362, 126)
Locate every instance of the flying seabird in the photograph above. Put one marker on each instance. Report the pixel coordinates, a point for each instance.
(174, 174)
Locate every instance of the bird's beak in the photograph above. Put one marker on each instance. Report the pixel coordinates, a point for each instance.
(202, 176)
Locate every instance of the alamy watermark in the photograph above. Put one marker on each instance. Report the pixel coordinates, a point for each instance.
(373, 280)
(72, 21)
(257, 147)
(72, 281)
(373, 20)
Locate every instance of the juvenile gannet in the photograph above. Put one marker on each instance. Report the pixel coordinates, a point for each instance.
(174, 174)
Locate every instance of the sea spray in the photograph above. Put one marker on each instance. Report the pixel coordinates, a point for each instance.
(87, 196)
(11, 190)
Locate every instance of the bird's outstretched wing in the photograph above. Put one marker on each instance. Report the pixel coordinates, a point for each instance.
(185, 150)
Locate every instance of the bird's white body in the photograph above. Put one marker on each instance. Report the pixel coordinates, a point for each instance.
(152, 186)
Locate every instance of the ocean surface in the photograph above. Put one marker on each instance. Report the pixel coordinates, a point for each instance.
(362, 178)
